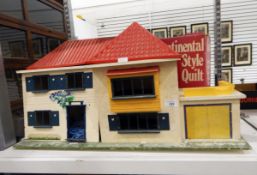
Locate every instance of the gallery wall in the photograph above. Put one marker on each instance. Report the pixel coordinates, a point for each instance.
(242, 13)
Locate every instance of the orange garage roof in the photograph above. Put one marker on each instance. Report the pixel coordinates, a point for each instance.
(134, 43)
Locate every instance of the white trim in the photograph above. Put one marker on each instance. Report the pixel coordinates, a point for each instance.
(98, 65)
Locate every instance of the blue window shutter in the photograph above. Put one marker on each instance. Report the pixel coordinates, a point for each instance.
(29, 84)
(113, 122)
(57, 82)
(31, 118)
(88, 80)
(54, 118)
(164, 122)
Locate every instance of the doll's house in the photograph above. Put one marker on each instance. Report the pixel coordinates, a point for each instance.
(123, 89)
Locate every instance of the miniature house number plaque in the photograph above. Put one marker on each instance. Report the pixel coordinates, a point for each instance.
(171, 103)
(123, 60)
(193, 68)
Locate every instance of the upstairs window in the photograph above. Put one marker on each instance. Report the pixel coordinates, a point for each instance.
(42, 118)
(133, 87)
(75, 80)
(40, 83)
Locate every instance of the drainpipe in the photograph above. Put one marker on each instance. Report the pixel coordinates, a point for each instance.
(217, 41)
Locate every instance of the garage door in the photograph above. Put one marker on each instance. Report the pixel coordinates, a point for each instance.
(208, 122)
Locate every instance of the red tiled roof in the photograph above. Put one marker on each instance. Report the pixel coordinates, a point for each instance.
(135, 43)
(71, 53)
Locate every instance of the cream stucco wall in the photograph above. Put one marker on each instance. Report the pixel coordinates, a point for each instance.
(168, 91)
(40, 101)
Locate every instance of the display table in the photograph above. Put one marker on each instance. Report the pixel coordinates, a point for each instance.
(89, 162)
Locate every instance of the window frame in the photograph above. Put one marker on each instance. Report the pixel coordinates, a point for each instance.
(41, 89)
(52, 6)
(74, 79)
(139, 115)
(36, 125)
(132, 79)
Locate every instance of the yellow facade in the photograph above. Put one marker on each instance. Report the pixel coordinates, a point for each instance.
(167, 80)
(224, 88)
(138, 104)
(208, 122)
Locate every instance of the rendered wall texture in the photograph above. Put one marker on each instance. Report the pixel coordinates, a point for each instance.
(98, 106)
(168, 91)
(41, 101)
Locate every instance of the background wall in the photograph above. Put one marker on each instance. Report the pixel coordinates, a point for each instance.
(111, 17)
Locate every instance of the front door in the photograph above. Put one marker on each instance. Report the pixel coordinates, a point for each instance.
(76, 122)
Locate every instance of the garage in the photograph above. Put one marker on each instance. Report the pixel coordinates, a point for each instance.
(208, 121)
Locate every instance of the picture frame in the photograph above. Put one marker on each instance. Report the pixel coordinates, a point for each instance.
(243, 54)
(200, 28)
(227, 75)
(160, 32)
(227, 31)
(177, 31)
(17, 48)
(52, 43)
(37, 46)
(226, 56)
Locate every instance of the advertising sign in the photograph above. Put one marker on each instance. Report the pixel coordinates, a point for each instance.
(250, 102)
(193, 68)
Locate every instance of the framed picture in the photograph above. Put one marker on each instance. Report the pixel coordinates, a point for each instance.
(200, 28)
(243, 54)
(226, 56)
(226, 75)
(52, 43)
(17, 48)
(160, 32)
(177, 31)
(37, 46)
(226, 31)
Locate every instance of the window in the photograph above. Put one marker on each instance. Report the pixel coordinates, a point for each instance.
(133, 87)
(74, 80)
(42, 118)
(45, 15)
(138, 121)
(12, 8)
(149, 122)
(40, 83)
(13, 43)
(41, 45)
